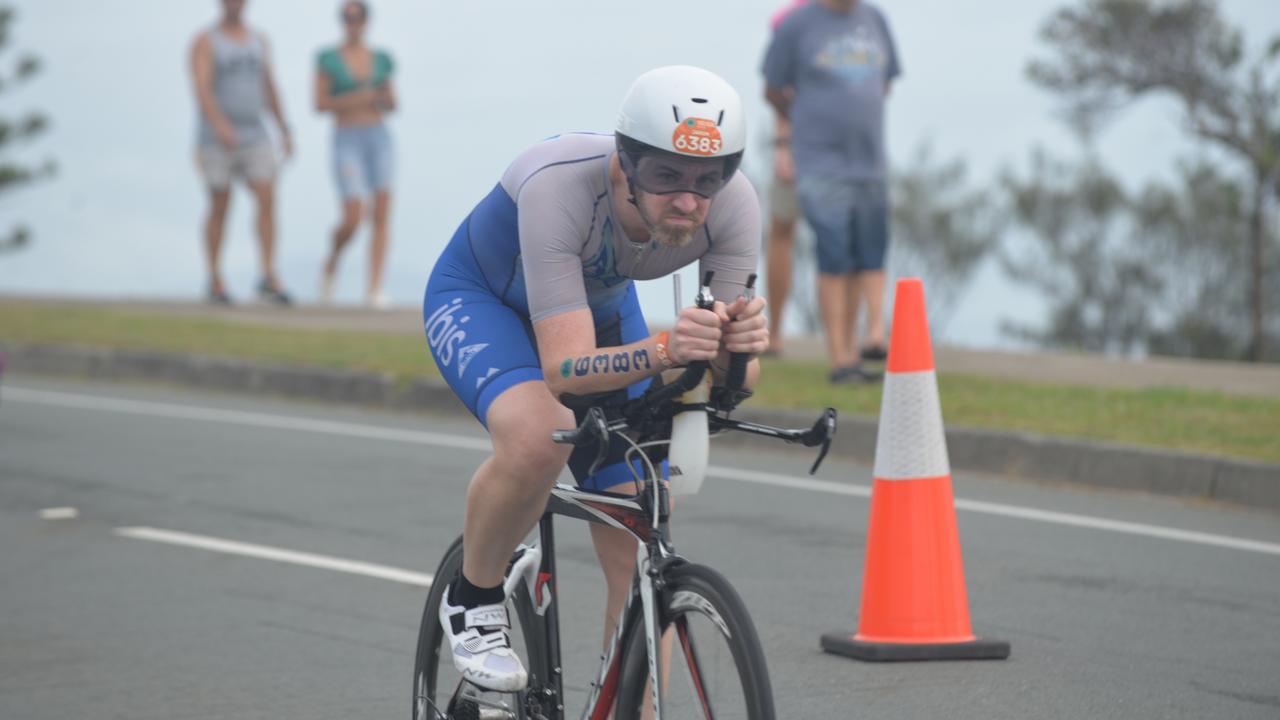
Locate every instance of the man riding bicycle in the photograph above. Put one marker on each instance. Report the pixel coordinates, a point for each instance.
(534, 299)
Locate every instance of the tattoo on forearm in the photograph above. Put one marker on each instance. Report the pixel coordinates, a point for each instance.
(604, 363)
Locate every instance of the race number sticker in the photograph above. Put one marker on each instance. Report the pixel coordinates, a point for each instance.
(697, 136)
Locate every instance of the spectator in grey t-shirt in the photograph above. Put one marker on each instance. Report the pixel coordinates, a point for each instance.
(828, 69)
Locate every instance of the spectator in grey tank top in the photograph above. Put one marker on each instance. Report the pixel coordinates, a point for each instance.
(231, 71)
(828, 70)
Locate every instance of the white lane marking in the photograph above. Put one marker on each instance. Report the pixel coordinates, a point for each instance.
(1120, 526)
(788, 481)
(238, 417)
(1013, 511)
(266, 552)
(373, 432)
(59, 513)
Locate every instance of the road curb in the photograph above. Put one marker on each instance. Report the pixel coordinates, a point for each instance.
(1023, 455)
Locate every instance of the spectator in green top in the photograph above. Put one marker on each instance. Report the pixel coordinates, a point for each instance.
(353, 81)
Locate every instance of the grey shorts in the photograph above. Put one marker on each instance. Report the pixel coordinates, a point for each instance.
(250, 163)
(362, 160)
(783, 204)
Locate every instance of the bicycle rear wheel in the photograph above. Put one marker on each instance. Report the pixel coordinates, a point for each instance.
(716, 668)
(436, 682)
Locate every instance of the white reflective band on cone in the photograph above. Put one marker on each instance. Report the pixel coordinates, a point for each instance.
(910, 442)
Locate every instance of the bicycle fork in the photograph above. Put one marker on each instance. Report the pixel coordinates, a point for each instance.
(646, 573)
(604, 691)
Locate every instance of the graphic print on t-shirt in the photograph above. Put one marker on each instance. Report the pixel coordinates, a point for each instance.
(857, 57)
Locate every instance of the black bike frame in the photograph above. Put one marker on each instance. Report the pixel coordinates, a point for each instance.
(547, 580)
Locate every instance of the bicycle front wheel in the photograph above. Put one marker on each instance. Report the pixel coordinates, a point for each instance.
(716, 667)
(437, 683)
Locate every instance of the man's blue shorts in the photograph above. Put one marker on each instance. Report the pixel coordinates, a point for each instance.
(850, 220)
(484, 346)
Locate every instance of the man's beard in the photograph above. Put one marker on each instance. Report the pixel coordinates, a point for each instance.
(667, 234)
(673, 236)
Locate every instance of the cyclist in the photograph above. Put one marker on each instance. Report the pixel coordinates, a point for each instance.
(534, 298)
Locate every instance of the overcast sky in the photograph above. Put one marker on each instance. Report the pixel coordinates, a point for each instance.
(478, 82)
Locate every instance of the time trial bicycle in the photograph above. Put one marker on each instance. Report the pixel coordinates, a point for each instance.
(714, 648)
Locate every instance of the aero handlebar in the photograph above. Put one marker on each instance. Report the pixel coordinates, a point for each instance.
(659, 404)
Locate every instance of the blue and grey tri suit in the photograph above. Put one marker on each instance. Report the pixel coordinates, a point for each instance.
(543, 242)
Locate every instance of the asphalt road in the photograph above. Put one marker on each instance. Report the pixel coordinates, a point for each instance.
(1117, 605)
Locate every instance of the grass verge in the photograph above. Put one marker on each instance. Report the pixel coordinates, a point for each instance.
(1191, 420)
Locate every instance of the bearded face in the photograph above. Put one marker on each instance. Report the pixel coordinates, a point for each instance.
(674, 218)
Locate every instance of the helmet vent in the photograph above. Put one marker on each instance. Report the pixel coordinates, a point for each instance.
(675, 111)
(698, 100)
(720, 120)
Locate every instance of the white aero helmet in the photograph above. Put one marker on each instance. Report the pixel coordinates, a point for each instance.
(680, 113)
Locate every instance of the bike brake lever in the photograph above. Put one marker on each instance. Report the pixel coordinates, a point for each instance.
(599, 427)
(594, 427)
(822, 432)
(822, 454)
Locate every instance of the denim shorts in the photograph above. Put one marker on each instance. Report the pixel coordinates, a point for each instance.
(362, 160)
(850, 219)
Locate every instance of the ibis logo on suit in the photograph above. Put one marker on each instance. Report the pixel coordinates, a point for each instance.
(446, 336)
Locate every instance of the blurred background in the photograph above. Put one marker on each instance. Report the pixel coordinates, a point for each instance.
(1040, 214)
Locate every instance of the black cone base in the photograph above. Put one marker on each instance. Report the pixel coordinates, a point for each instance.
(979, 649)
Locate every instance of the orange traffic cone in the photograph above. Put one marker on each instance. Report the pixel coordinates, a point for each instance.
(914, 605)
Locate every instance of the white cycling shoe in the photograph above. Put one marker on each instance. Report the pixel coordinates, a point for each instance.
(481, 647)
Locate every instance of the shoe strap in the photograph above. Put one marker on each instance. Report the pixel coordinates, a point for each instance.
(487, 642)
(487, 616)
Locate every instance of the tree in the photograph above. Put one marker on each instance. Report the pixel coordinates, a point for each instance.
(12, 173)
(1197, 234)
(1099, 283)
(1152, 271)
(942, 229)
(1105, 54)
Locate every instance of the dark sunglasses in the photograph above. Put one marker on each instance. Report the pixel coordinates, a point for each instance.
(353, 18)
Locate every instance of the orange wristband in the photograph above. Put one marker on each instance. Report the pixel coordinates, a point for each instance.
(663, 357)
